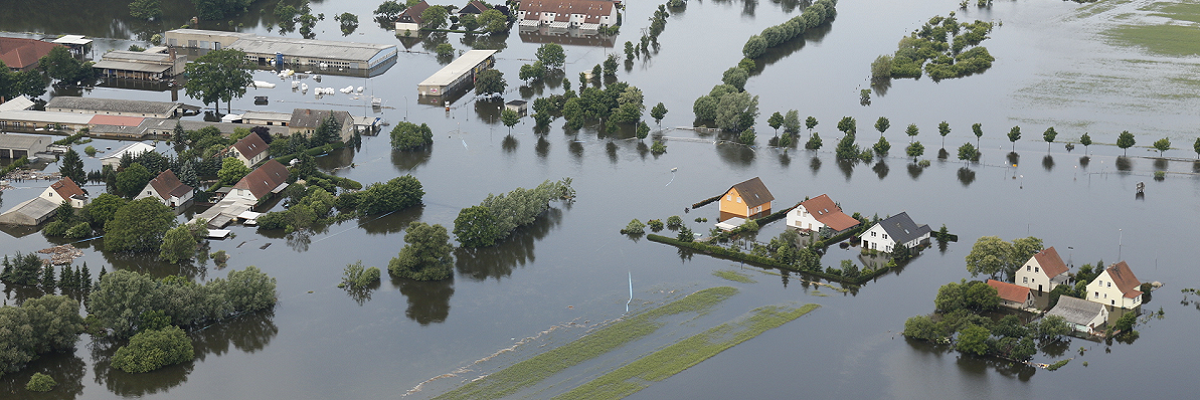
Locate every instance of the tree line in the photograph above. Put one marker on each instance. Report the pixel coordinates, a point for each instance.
(813, 16)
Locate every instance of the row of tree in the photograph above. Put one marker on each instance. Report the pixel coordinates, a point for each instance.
(813, 16)
(38, 326)
(29, 270)
(498, 215)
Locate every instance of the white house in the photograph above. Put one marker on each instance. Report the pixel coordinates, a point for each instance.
(167, 188)
(269, 178)
(409, 22)
(66, 190)
(1043, 271)
(899, 228)
(1116, 287)
(822, 215)
(586, 14)
(133, 149)
(1082, 315)
(251, 150)
(1012, 296)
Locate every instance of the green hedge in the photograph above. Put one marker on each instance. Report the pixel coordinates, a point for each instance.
(722, 252)
(760, 221)
(707, 201)
(67, 141)
(18, 163)
(312, 152)
(842, 236)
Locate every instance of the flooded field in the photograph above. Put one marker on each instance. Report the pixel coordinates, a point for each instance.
(1057, 64)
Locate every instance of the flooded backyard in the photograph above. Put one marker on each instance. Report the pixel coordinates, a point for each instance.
(571, 271)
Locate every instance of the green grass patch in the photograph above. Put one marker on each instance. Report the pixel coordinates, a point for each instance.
(735, 276)
(1179, 11)
(1169, 40)
(1058, 364)
(537, 368)
(1099, 7)
(676, 358)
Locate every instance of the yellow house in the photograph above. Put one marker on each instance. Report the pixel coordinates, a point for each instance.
(746, 199)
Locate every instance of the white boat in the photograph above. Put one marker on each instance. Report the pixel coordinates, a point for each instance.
(263, 85)
(304, 87)
(359, 90)
(295, 85)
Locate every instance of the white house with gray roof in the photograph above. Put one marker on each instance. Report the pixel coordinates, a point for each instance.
(897, 229)
(1084, 316)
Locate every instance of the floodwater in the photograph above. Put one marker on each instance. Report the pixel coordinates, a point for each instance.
(573, 266)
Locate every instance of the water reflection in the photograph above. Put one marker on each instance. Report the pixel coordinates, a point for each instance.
(1084, 161)
(966, 176)
(361, 295)
(814, 165)
(391, 223)
(881, 86)
(736, 155)
(488, 109)
(1124, 164)
(498, 261)
(428, 302)
(1160, 164)
(408, 160)
(1048, 163)
(576, 149)
(915, 170)
(943, 154)
(847, 168)
(542, 148)
(248, 333)
(509, 143)
(784, 159)
(67, 370)
(1196, 167)
(611, 149)
(150, 264)
(881, 169)
(1014, 159)
(643, 150)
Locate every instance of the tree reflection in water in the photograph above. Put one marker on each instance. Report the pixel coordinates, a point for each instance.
(67, 370)
(815, 165)
(1124, 164)
(1048, 163)
(509, 143)
(966, 176)
(847, 168)
(498, 261)
(542, 148)
(881, 170)
(428, 302)
(361, 295)
(408, 160)
(915, 171)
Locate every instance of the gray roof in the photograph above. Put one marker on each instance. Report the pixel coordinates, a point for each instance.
(134, 149)
(308, 118)
(111, 105)
(46, 117)
(267, 115)
(308, 48)
(1076, 311)
(122, 55)
(24, 142)
(902, 229)
(19, 103)
(168, 124)
(131, 66)
(457, 68)
(29, 212)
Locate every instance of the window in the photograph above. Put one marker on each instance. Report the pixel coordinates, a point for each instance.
(728, 198)
(1036, 269)
(1025, 280)
(1114, 302)
(872, 234)
(885, 236)
(1110, 284)
(1096, 295)
(1027, 267)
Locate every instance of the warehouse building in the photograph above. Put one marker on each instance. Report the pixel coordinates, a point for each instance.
(457, 74)
(290, 52)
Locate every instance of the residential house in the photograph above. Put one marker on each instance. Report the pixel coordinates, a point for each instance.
(1043, 271)
(133, 149)
(746, 199)
(21, 54)
(306, 121)
(586, 15)
(409, 22)
(251, 150)
(821, 214)
(66, 190)
(168, 189)
(269, 178)
(1117, 287)
(1084, 316)
(1012, 296)
(474, 7)
(897, 229)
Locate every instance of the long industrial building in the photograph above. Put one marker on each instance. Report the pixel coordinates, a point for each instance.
(290, 52)
(453, 76)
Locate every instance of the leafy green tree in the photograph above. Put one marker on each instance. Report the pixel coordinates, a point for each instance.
(356, 276)
(775, 121)
(810, 123)
(490, 82)
(658, 112)
(848, 125)
(1053, 327)
(232, 171)
(922, 327)
(138, 226)
(410, 136)
(914, 150)
(791, 122)
(509, 118)
(551, 55)
(977, 128)
(40, 382)
(991, 256)
(737, 111)
(973, 340)
(912, 132)
(686, 235)
(145, 9)
(1162, 145)
(347, 22)
(747, 137)
(944, 129)
(643, 130)
(389, 10)
(469, 22)
(1125, 141)
(178, 245)
(968, 152)
(755, 47)
(476, 226)
(531, 72)
(426, 256)
(150, 350)
(250, 290)
(1125, 323)
(132, 180)
(397, 194)
(218, 75)
(434, 17)
(882, 124)
(882, 146)
(881, 68)
(493, 22)
(610, 65)
(735, 77)
(1086, 141)
(90, 151)
(1049, 136)
(705, 108)
(102, 209)
(846, 148)
(1014, 135)
(72, 167)
(444, 50)
(61, 65)
(814, 142)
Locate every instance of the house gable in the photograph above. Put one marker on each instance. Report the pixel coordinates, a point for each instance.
(1116, 286)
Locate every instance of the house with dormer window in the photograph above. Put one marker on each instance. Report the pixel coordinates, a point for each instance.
(885, 235)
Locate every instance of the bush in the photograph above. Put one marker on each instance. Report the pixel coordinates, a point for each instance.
(655, 224)
(151, 350)
(674, 222)
(426, 256)
(410, 136)
(686, 234)
(814, 142)
(658, 148)
(79, 231)
(1058, 364)
(40, 382)
(357, 277)
(635, 227)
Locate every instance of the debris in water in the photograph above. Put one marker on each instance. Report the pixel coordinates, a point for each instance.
(62, 255)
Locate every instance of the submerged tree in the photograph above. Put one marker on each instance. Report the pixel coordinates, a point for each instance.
(1125, 141)
(1014, 135)
(426, 256)
(1049, 136)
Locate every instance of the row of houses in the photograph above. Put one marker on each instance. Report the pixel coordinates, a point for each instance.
(587, 16)
(820, 215)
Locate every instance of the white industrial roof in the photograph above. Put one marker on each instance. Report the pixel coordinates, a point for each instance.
(72, 39)
(326, 49)
(134, 149)
(131, 66)
(455, 69)
(122, 55)
(267, 115)
(19, 103)
(46, 116)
